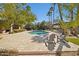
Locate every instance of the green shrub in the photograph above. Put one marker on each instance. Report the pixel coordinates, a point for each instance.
(18, 30)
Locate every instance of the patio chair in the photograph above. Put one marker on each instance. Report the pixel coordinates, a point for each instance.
(50, 43)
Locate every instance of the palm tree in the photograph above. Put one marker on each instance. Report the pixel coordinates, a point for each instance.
(70, 8)
(49, 14)
(60, 9)
(77, 15)
(61, 21)
(53, 12)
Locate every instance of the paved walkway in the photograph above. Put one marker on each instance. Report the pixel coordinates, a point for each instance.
(23, 41)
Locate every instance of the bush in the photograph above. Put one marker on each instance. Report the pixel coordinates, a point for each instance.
(28, 26)
(42, 26)
(34, 27)
(18, 30)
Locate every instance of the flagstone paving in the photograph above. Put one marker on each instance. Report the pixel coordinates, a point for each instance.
(23, 42)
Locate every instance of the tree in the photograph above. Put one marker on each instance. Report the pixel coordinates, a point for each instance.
(70, 8)
(61, 21)
(77, 16)
(73, 15)
(8, 14)
(60, 9)
(15, 14)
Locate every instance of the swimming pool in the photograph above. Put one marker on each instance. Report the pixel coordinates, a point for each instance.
(39, 32)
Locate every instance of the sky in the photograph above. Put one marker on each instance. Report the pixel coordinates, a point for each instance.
(41, 10)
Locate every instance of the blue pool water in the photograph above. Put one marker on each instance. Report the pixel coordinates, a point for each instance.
(39, 32)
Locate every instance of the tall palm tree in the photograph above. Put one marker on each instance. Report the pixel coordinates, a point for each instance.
(70, 8)
(77, 16)
(48, 14)
(60, 9)
(62, 23)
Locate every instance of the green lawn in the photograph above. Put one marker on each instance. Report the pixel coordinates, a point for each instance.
(73, 40)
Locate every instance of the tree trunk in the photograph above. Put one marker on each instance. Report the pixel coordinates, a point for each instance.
(11, 28)
(71, 15)
(49, 20)
(59, 8)
(77, 14)
(19, 28)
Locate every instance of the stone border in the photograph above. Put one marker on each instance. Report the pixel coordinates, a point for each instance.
(53, 53)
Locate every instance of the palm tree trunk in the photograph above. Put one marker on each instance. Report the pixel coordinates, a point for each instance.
(64, 29)
(78, 12)
(71, 15)
(49, 19)
(59, 7)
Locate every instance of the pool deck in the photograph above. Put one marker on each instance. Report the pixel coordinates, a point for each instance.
(24, 42)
